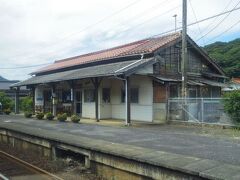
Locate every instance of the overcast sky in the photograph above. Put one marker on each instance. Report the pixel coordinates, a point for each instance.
(34, 32)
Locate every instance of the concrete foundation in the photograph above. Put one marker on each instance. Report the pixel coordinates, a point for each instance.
(104, 165)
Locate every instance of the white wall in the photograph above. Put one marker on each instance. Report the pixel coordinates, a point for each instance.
(141, 111)
(39, 96)
(105, 109)
(88, 108)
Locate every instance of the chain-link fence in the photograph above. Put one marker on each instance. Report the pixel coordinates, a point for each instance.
(201, 110)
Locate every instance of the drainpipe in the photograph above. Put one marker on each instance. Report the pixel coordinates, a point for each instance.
(127, 102)
(17, 100)
(127, 92)
(125, 80)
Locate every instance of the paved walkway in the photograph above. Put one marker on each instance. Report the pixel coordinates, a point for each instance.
(169, 138)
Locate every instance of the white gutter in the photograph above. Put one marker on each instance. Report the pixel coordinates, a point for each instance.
(126, 86)
(129, 64)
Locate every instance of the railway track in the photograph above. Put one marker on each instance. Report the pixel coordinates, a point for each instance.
(15, 168)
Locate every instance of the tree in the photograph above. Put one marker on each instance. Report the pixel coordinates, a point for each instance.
(26, 104)
(232, 105)
(227, 55)
(7, 103)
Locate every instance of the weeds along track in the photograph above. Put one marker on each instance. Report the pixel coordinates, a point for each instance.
(14, 168)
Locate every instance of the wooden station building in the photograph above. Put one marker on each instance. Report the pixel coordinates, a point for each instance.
(132, 81)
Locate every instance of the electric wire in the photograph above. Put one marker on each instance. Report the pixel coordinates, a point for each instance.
(219, 35)
(168, 31)
(91, 25)
(195, 16)
(193, 23)
(220, 22)
(213, 21)
(23, 67)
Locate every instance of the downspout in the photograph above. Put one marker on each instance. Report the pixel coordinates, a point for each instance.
(126, 89)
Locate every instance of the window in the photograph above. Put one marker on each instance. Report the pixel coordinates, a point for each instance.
(66, 96)
(156, 68)
(159, 93)
(106, 95)
(134, 95)
(173, 91)
(123, 95)
(192, 92)
(89, 95)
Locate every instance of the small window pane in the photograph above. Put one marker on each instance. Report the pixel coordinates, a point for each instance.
(123, 95)
(66, 96)
(89, 95)
(106, 95)
(174, 91)
(134, 95)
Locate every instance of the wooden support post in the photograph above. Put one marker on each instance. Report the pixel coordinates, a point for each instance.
(54, 103)
(96, 103)
(33, 99)
(96, 82)
(128, 101)
(72, 96)
(87, 162)
(17, 100)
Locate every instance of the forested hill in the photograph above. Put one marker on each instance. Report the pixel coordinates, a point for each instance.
(227, 55)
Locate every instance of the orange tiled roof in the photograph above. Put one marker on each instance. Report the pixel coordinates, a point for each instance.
(236, 80)
(138, 47)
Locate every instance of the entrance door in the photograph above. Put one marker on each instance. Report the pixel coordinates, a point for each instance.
(78, 102)
(47, 101)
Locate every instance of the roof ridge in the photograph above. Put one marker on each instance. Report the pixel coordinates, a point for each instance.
(147, 45)
(104, 50)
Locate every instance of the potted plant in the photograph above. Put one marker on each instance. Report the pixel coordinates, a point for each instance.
(62, 117)
(75, 118)
(7, 111)
(28, 114)
(40, 115)
(49, 116)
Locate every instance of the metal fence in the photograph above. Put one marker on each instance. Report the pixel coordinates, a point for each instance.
(201, 110)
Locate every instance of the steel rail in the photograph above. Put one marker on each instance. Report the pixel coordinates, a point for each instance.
(30, 166)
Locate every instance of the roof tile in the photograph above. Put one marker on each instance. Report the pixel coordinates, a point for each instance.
(138, 47)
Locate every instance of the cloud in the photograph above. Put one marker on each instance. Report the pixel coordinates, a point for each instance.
(41, 31)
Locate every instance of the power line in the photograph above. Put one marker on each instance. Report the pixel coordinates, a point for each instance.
(23, 67)
(211, 23)
(152, 18)
(159, 34)
(91, 25)
(224, 31)
(196, 20)
(200, 21)
(217, 24)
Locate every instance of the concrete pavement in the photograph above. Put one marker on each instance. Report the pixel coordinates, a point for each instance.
(212, 156)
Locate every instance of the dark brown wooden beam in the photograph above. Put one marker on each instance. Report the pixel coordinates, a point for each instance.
(128, 100)
(71, 84)
(17, 100)
(96, 82)
(54, 105)
(33, 99)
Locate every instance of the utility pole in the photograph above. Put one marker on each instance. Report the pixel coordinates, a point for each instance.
(184, 57)
(175, 19)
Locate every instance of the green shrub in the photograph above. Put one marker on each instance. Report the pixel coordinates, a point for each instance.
(26, 104)
(49, 116)
(40, 115)
(62, 117)
(75, 118)
(7, 111)
(232, 105)
(7, 103)
(28, 114)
